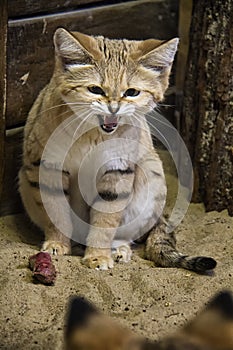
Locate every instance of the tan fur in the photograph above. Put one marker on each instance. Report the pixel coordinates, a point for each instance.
(102, 333)
(211, 329)
(132, 176)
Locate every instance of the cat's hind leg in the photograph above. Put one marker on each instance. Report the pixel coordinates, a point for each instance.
(51, 223)
(161, 249)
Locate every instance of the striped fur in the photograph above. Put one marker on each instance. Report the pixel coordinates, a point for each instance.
(211, 329)
(103, 88)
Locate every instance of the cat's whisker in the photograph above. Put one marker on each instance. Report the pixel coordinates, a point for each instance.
(82, 122)
(156, 129)
(61, 105)
(50, 109)
(78, 103)
(67, 122)
(75, 117)
(166, 123)
(154, 116)
(138, 117)
(161, 135)
(133, 120)
(165, 105)
(57, 116)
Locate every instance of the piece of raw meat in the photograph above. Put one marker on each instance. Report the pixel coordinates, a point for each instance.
(43, 268)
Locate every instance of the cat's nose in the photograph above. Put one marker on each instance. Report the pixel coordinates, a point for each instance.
(113, 107)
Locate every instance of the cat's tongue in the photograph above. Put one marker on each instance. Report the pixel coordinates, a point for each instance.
(110, 122)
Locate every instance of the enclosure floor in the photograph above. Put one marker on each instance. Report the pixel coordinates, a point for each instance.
(152, 301)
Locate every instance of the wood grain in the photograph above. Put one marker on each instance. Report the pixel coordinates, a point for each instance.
(20, 8)
(207, 123)
(3, 37)
(30, 43)
(10, 199)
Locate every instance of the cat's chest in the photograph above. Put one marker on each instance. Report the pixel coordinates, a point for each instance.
(97, 155)
(93, 152)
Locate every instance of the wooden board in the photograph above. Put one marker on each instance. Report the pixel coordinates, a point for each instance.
(208, 109)
(3, 37)
(10, 201)
(20, 8)
(30, 43)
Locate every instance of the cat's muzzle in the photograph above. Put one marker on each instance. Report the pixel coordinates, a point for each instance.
(108, 123)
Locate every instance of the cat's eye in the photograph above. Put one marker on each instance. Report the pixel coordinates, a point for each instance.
(96, 90)
(131, 93)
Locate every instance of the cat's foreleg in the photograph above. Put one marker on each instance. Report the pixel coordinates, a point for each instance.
(103, 227)
(58, 232)
(55, 221)
(114, 191)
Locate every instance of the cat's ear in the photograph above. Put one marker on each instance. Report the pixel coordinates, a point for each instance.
(214, 325)
(223, 304)
(79, 312)
(157, 55)
(75, 48)
(219, 311)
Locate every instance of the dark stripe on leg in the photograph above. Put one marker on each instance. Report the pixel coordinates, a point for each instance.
(37, 162)
(111, 196)
(122, 172)
(48, 189)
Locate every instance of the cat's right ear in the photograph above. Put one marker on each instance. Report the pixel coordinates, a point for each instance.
(156, 54)
(214, 324)
(222, 303)
(75, 49)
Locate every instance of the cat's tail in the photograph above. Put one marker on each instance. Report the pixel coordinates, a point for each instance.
(161, 249)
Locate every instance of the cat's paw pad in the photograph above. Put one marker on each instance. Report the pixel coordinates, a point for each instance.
(55, 248)
(123, 254)
(98, 262)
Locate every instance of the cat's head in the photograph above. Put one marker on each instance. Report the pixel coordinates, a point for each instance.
(112, 79)
(88, 329)
(211, 329)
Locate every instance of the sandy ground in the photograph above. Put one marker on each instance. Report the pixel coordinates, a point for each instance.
(152, 301)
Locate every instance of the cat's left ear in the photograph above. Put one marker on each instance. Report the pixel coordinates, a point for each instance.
(157, 55)
(74, 48)
(79, 312)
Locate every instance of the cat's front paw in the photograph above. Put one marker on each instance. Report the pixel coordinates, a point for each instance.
(56, 248)
(98, 262)
(123, 253)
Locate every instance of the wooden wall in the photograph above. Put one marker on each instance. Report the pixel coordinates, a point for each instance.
(31, 26)
(3, 38)
(207, 113)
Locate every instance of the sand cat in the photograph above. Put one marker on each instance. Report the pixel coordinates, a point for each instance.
(90, 171)
(212, 329)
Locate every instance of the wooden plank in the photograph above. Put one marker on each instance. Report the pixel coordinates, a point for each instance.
(3, 37)
(185, 15)
(10, 199)
(30, 45)
(20, 8)
(207, 123)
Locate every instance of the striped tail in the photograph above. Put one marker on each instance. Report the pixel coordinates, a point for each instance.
(161, 249)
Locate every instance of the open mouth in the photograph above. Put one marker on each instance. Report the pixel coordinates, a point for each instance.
(108, 123)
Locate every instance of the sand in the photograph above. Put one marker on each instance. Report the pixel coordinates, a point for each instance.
(150, 300)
